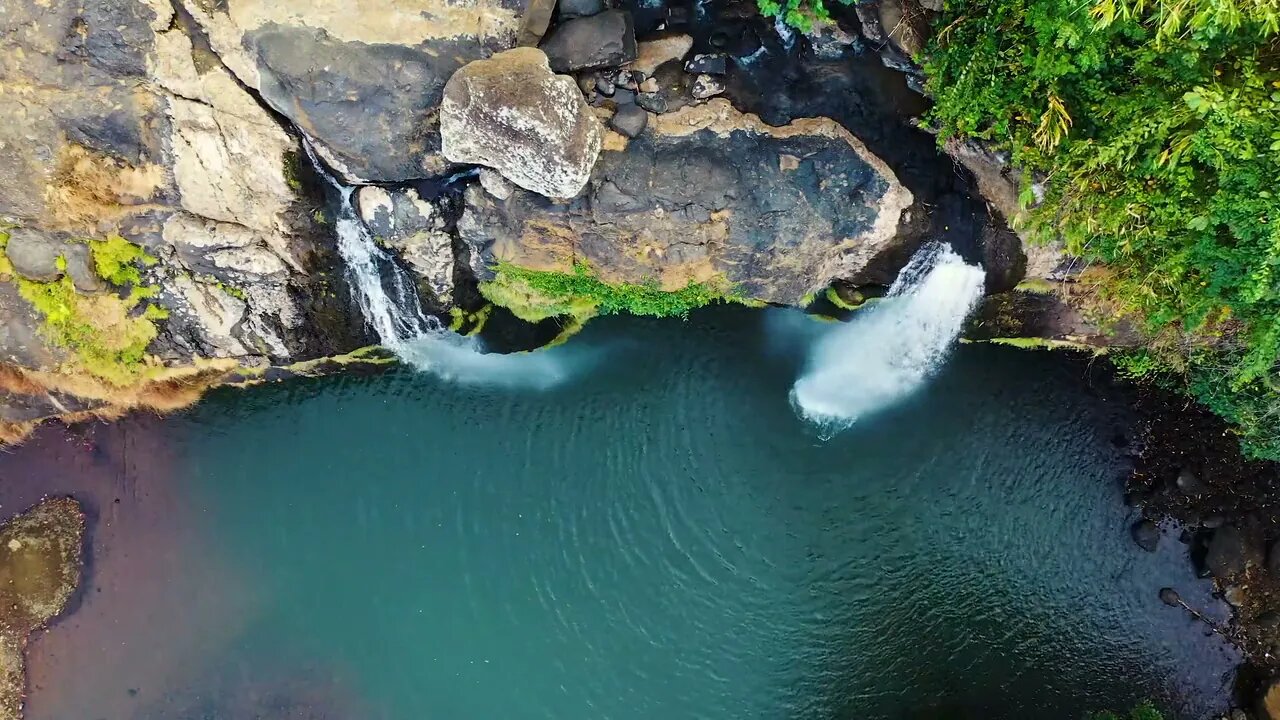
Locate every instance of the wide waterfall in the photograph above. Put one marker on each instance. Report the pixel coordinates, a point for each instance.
(892, 348)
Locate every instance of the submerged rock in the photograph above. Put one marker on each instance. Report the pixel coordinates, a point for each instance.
(1146, 534)
(708, 195)
(40, 557)
(511, 113)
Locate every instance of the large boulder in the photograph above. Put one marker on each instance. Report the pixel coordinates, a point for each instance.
(40, 558)
(363, 83)
(604, 40)
(511, 113)
(1231, 551)
(708, 195)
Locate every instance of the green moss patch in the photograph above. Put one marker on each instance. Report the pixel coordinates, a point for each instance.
(535, 295)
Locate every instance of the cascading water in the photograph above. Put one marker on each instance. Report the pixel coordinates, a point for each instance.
(891, 350)
(388, 299)
(381, 288)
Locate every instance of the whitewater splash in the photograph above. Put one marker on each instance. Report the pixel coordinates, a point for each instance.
(388, 300)
(892, 348)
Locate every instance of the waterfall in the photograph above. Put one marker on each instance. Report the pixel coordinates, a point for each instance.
(384, 291)
(891, 349)
(388, 300)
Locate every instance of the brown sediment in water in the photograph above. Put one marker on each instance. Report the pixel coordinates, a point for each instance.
(156, 602)
(40, 558)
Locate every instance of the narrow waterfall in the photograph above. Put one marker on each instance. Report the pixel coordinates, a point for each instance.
(384, 291)
(893, 348)
(388, 300)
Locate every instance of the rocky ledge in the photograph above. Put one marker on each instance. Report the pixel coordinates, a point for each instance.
(40, 559)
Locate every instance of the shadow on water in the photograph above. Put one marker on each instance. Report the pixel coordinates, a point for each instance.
(658, 537)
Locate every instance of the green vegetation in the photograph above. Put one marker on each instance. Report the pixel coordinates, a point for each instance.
(535, 295)
(1143, 711)
(293, 170)
(107, 337)
(116, 260)
(1157, 125)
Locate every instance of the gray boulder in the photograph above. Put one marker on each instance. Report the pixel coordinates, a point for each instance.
(417, 231)
(34, 255)
(607, 39)
(630, 120)
(580, 8)
(511, 113)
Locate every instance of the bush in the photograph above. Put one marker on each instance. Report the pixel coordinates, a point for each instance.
(1143, 711)
(1158, 126)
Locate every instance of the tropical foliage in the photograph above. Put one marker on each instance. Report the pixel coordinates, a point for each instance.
(1156, 127)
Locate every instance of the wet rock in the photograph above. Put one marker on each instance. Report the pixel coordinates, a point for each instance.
(605, 86)
(708, 64)
(511, 113)
(40, 558)
(706, 86)
(831, 42)
(417, 231)
(1146, 534)
(1231, 550)
(1273, 558)
(604, 40)
(623, 97)
(1170, 597)
(1048, 317)
(580, 8)
(652, 101)
(630, 120)
(495, 184)
(652, 53)
(710, 195)
(906, 24)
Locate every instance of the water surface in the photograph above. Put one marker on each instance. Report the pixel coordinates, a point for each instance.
(658, 537)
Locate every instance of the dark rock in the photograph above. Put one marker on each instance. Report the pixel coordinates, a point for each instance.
(1146, 534)
(1190, 483)
(605, 86)
(1213, 522)
(653, 102)
(707, 86)
(534, 22)
(580, 8)
(1273, 559)
(604, 40)
(623, 96)
(630, 120)
(371, 106)
(708, 64)
(1170, 597)
(709, 195)
(1231, 550)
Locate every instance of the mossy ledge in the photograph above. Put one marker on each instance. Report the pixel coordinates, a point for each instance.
(536, 295)
(41, 553)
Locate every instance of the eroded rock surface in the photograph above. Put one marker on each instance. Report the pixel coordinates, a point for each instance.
(363, 82)
(708, 195)
(512, 114)
(417, 231)
(40, 558)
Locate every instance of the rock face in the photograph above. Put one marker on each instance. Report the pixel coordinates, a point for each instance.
(607, 39)
(417, 231)
(707, 195)
(364, 83)
(511, 113)
(40, 557)
(122, 125)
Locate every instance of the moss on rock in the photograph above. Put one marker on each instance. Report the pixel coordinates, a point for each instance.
(40, 560)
